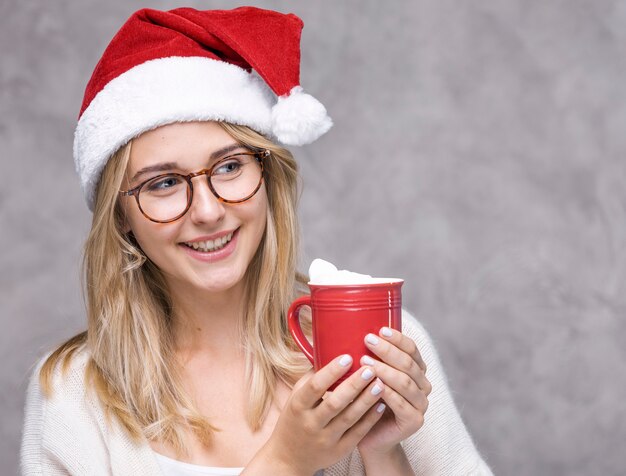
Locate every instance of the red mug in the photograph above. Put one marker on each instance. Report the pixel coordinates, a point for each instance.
(342, 315)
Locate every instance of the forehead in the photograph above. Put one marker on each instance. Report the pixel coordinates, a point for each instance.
(184, 143)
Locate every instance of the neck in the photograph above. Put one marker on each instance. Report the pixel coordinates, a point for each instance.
(208, 323)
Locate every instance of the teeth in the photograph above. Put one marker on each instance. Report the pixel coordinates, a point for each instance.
(211, 245)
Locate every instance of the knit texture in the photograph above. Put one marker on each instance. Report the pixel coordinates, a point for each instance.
(70, 434)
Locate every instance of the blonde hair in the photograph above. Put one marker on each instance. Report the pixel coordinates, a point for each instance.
(131, 365)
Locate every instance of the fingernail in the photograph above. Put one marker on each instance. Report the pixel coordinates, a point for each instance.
(345, 360)
(367, 360)
(386, 332)
(376, 389)
(372, 339)
(367, 374)
(381, 408)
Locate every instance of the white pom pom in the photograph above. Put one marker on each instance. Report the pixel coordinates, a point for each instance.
(299, 118)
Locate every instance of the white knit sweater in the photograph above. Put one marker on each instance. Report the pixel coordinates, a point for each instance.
(69, 433)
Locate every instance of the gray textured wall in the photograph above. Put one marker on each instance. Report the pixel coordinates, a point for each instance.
(478, 152)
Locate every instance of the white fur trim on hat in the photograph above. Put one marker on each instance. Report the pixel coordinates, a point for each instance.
(163, 91)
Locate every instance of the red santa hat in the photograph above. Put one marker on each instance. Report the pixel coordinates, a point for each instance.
(240, 66)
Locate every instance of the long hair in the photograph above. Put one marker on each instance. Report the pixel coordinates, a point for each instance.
(131, 364)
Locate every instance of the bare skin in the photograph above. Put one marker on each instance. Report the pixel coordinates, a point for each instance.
(314, 429)
(307, 428)
(219, 387)
(206, 342)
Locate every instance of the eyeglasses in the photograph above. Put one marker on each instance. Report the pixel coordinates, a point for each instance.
(167, 197)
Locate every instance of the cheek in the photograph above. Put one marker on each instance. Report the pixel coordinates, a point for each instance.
(260, 211)
(254, 218)
(151, 236)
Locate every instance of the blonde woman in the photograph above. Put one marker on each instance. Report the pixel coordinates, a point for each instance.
(187, 366)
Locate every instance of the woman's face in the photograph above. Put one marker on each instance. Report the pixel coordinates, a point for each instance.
(185, 148)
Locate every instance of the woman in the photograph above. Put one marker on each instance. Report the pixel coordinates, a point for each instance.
(187, 366)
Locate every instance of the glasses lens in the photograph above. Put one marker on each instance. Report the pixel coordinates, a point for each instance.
(237, 177)
(234, 179)
(165, 197)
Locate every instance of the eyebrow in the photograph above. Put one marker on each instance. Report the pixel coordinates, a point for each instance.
(162, 167)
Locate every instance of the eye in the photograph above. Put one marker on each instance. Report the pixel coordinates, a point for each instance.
(164, 184)
(230, 166)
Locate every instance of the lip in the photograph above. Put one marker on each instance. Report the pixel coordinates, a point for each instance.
(211, 237)
(213, 256)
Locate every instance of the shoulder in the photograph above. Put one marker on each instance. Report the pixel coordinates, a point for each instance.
(57, 392)
(60, 418)
(66, 377)
(68, 427)
(59, 399)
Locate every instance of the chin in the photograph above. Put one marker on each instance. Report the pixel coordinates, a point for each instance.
(215, 286)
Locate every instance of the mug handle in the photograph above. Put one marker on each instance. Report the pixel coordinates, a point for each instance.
(293, 321)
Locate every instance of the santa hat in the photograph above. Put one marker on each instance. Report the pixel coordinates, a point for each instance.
(240, 66)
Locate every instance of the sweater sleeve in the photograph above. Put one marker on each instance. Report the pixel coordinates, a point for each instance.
(69, 433)
(443, 446)
(59, 435)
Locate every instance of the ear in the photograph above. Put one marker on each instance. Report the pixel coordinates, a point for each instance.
(124, 224)
(122, 216)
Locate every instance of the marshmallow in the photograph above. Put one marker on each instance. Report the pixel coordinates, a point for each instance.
(323, 272)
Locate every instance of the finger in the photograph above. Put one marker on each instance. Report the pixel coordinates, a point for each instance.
(358, 431)
(303, 379)
(403, 343)
(394, 356)
(314, 388)
(345, 393)
(412, 387)
(408, 418)
(355, 410)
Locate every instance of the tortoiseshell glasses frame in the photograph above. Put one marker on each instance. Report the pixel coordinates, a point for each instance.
(135, 191)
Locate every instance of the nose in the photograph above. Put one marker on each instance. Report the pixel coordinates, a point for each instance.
(205, 207)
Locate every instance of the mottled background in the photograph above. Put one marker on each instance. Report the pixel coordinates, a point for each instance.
(478, 153)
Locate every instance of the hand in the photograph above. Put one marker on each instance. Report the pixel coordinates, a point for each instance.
(315, 428)
(402, 370)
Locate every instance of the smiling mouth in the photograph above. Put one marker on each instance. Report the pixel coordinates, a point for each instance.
(210, 245)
